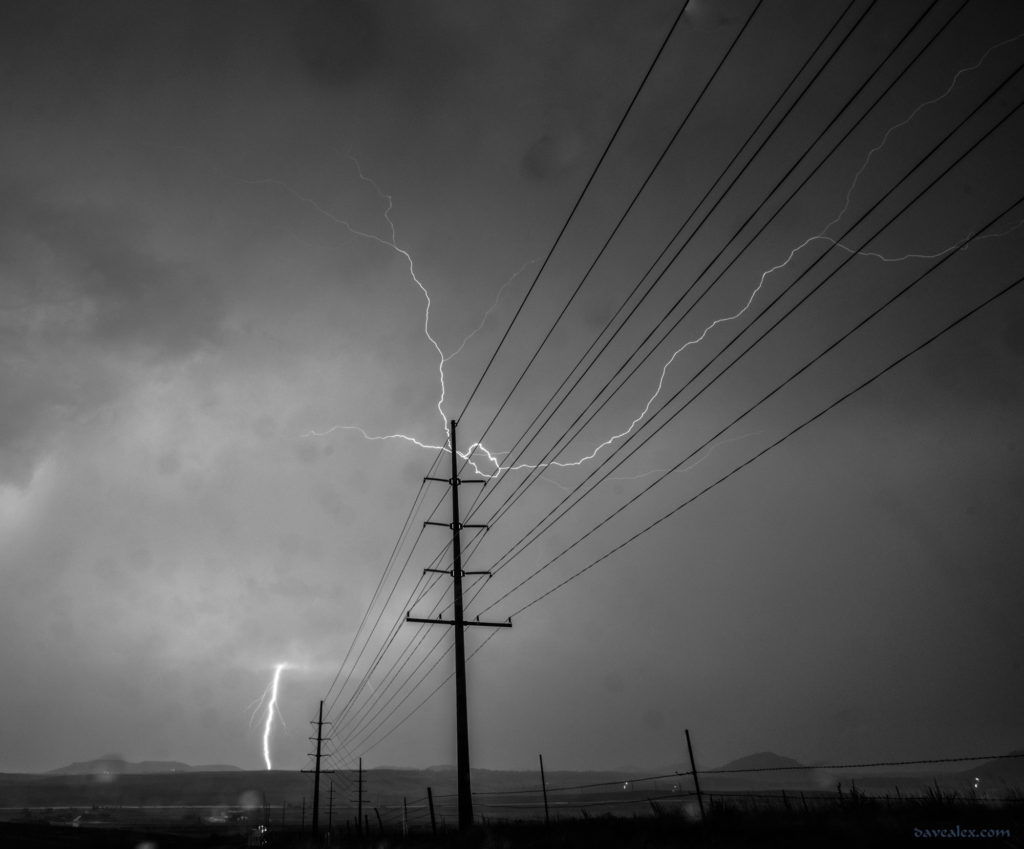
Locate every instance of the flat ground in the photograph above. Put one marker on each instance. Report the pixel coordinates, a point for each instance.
(852, 823)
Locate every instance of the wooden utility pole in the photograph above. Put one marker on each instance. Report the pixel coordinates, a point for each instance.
(459, 623)
(693, 772)
(359, 810)
(319, 723)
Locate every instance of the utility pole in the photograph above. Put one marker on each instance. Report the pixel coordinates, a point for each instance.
(330, 807)
(359, 810)
(319, 723)
(459, 623)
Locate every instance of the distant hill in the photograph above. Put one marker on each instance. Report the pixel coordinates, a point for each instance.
(761, 760)
(1008, 770)
(114, 765)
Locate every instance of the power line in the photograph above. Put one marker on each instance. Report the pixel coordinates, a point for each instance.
(370, 633)
(566, 437)
(390, 675)
(734, 42)
(779, 441)
(668, 245)
(429, 695)
(858, 222)
(380, 583)
(550, 521)
(618, 225)
(576, 205)
(764, 398)
(410, 602)
(474, 390)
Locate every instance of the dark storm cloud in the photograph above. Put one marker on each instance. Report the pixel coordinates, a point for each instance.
(552, 155)
(83, 46)
(343, 43)
(108, 269)
(90, 46)
(82, 283)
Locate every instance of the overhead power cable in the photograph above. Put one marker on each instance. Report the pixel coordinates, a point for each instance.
(618, 224)
(394, 552)
(513, 497)
(574, 429)
(959, 320)
(646, 275)
(551, 519)
(576, 205)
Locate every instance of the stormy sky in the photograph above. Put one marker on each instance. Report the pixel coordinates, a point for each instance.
(198, 270)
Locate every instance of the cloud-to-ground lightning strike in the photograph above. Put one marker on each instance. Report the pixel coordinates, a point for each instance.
(496, 468)
(269, 698)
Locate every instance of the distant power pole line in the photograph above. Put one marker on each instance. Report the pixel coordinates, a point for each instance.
(459, 623)
(319, 723)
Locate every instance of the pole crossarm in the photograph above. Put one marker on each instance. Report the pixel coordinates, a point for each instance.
(452, 572)
(452, 525)
(456, 481)
(467, 622)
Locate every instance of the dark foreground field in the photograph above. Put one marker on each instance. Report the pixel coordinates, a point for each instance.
(854, 822)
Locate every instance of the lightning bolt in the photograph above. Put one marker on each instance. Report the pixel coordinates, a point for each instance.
(270, 698)
(493, 463)
(910, 117)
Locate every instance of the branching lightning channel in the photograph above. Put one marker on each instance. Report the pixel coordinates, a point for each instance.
(910, 117)
(710, 450)
(493, 466)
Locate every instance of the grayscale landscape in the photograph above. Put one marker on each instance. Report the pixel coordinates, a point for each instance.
(573, 423)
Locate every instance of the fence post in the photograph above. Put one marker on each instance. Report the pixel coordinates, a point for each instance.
(544, 787)
(693, 772)
(433, 820)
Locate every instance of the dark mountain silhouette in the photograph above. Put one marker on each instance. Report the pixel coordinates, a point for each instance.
(116, 765)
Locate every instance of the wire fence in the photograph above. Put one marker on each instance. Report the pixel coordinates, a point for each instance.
(793, 787)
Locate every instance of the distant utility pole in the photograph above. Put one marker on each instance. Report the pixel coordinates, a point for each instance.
(319, 723)
(359, 809)
(461, 716)
(544, 787)
(330, 807)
